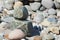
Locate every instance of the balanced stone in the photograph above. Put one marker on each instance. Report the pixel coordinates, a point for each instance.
(47, 3)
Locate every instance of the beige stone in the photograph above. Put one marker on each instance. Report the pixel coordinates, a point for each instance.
(18, 4)
(54, 29)
(45, 23)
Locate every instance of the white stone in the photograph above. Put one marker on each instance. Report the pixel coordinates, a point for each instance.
(7, 19)
(8, 4)
(47, 3)
(57, 37)
(57, 4)
(38, 17)
(58, 12)
(10, 12)
(42, 8)
(45, 14)
(51, 11)
(4, 25)
(35, 6)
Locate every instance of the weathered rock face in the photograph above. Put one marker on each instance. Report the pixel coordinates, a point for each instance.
(47, 3)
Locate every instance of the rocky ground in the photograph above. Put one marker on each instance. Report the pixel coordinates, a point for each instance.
(45, 14)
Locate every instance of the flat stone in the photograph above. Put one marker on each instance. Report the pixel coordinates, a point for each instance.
(47, 3)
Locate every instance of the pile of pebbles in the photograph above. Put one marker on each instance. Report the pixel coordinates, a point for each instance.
(44, 12)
